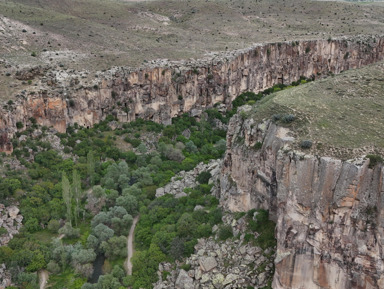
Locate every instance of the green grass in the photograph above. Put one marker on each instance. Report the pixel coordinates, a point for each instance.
(119, 262)
(67, 279)
(44, 236)
(84, 233)
(344, 111)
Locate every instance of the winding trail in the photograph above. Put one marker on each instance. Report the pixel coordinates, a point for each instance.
(43, 278)
(128, 263)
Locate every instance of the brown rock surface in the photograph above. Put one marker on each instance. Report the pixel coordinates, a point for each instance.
(329, 213)
(167, 89)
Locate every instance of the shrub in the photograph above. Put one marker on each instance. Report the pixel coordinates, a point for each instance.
(164, 275)
(374, 160)
(276, 117)
(203, 177)
(71, 103)
(306, 144)
(186, 267)
(53, 267)
(288, 118)
(134, 142)
(32, 225)
(53, 225)
(69, 231)
(225, 232)
(258, 145)
(308, 49)
(264, 226)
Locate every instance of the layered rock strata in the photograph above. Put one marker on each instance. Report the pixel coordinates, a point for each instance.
(329, 213)
(164, 89)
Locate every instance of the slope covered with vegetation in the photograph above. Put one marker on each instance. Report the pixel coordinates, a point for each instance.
(79, 191)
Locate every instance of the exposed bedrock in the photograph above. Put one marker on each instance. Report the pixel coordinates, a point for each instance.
(168, 89)
(329, 213)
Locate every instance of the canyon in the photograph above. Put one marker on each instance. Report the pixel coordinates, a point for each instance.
(329, 212)
(162, 89)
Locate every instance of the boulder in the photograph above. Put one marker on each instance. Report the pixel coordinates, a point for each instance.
(183, 281)
(208, 263)
(230, 278)
(218, 280)
(13, 211)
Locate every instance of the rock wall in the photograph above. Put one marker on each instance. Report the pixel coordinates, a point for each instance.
(163, 90)
(329, 213)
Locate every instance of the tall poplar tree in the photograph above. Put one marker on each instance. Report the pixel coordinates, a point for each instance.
(91, 168)
(77, 193)
(67, 196)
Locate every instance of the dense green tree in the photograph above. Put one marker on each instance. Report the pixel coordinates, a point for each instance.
(177, 248)
(53, 267)
(102, 232)
(108, 282)
(115, 247)
(32, 225)
(83, 256)
(38, 262)
(118, 272)
(186, 225)
(129, 203)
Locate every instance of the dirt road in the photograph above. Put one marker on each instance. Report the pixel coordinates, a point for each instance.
(43, 278)
(128, 263)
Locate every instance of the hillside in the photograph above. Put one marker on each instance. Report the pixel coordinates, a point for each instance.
(191, 144)
(101, 34)
(341, 114)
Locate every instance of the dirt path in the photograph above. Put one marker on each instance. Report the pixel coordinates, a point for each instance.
(43, 278)
(128, 263)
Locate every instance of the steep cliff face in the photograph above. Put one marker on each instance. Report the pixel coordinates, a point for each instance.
(329, 213)
(165, 90)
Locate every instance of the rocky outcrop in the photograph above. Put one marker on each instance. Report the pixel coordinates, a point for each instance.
(11, 221)
(5, 277)
(187, 179)
(233, 263)
(329, 213)
(163, 89)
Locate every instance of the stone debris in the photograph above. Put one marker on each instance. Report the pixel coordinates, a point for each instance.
(185, 180)
(5, 277)
(11, 220)
(221, 264)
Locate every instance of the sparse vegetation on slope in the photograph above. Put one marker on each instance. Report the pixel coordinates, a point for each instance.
(341, 115)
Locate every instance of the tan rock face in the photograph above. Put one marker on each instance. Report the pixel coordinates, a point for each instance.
(329, 213)
(160, 93)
